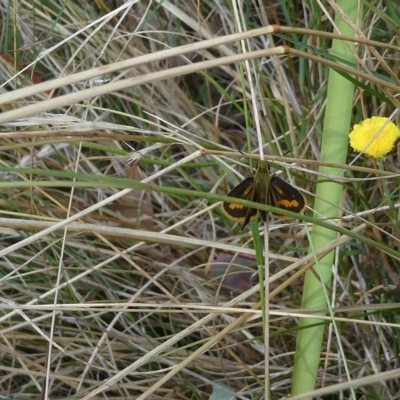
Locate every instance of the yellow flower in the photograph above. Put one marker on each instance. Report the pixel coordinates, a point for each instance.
(374, 136)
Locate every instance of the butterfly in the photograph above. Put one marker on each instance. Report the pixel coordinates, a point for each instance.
(264, 189)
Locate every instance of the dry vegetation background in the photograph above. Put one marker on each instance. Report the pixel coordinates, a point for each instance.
(140, 311)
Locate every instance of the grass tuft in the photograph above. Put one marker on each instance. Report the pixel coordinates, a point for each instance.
(122, 127)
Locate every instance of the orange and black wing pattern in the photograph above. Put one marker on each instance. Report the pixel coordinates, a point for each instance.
(285, 196)
(239, 212)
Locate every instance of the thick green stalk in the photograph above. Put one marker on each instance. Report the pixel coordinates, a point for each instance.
(328, 194)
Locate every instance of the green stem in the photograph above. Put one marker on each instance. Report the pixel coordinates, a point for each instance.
(333, 149)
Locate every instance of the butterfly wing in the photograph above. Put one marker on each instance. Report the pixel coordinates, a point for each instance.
(285, 196)
(238, 212)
